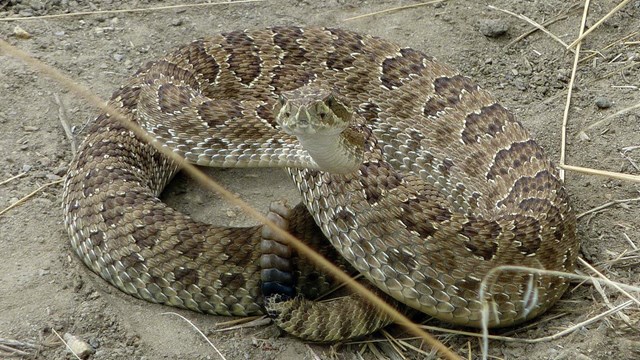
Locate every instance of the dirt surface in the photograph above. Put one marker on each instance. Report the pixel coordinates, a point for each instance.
(44, 287)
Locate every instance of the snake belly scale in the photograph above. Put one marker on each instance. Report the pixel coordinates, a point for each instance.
(449, 184)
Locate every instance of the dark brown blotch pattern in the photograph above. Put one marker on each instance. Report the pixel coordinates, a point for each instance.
(425, 212)
(172, 98)
(344, 44)
(490, 121)
(291, 72)
(481, 235)
(203, 63)
(288, 40)
(243, 59)
(399, 69)
(518, 154)
(232, 281)
(369, 111)
(422, 214)
(265, 112)
(378, 178)
(447, 93)
(217, 114)
(527, 186)
(527, 234)
(185, 275)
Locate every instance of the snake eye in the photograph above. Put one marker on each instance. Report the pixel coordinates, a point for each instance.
(330, 100)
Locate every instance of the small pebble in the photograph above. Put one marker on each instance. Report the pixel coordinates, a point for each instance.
(78, 346)
(118, 57)
(60, 170)
(25, 13)
(603, 103)
(94, 295)
(493, 28)
(176, 22)
(520, 85)
(36, 5)
(583, 136)
(26, 167)
(564, 75)
(20, 33)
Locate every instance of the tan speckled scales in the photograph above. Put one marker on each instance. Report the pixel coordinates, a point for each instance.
(451, 185)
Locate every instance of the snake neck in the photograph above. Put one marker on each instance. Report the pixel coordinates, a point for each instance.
(337, 154)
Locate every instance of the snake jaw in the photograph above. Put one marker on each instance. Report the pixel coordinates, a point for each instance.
(312, 111)
(322, 122)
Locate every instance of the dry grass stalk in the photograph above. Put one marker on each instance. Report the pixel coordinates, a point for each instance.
(13, 178)
(135, 10)
(606, 205)
(598, 23)
(538, 26)
(198, 331)
(27, 197)
(398, 8)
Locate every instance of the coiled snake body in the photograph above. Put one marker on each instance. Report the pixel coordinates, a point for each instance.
(446, 184)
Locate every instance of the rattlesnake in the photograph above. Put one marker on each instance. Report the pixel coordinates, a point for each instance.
(448, 184)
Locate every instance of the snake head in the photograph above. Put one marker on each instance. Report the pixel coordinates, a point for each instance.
(311, 111)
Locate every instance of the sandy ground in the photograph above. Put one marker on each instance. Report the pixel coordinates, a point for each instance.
(44, 287)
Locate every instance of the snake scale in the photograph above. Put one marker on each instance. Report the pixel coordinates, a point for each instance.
(446, 183)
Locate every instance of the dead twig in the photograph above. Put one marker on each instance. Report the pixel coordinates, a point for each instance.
(66, 344)
(606, 205)
(613, 43)
(13, 178)
(538, 26)
(597, 24)
(611, 174)
(254, 321)
(25, 198)
(608, 281)
(565, 115)
(120, 11)
(16, 343)
(630, 160)
(12, 351)
(617, 113)
(393, 9)
(534, 30)
(198, 331)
